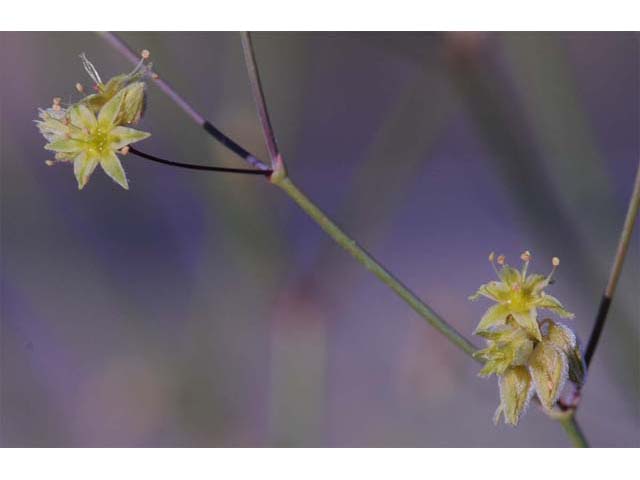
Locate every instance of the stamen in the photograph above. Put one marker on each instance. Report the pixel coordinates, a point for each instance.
(90, 69)
(525, 257)
(145, 54)
(491, 258)
(79, 87)
(501, 260)
(555, 261)
(50, 163)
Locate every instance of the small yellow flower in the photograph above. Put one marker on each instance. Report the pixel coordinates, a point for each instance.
(519, 295)
(527, 356)
(86, 140)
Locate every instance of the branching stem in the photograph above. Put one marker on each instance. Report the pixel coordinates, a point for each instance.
(118, 44)
(280, 178)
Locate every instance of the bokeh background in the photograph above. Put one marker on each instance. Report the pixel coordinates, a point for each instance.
(201, 309)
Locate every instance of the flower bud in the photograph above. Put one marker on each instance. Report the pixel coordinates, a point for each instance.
(548, 367)
(565, 340)
(515, 392)
(132, 104)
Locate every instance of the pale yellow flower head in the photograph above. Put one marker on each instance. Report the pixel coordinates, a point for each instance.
(87, 140)
(527, 355)
(519, 295)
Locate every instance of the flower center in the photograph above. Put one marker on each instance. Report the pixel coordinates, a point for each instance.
(100, 140)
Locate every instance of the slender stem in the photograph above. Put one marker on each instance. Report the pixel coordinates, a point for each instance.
(573, 431)
(373, 265)
(191, 166)
(118, 44)
(616, 270)
(280, 178)
(258, 96)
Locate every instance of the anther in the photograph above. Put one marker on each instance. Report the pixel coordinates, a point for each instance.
(555, 261)
(49, 163)
(492, 256)
(501, 259)
(79, 87)
(526, 256)
(124, 150)
(145, 54)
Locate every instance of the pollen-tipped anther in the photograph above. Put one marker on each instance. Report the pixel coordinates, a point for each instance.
(79, 87)
(501, 259)
(145, 54)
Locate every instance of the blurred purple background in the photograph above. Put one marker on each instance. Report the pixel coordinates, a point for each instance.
(201, 309)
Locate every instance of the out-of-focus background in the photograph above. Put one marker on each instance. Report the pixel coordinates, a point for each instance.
(201, 309)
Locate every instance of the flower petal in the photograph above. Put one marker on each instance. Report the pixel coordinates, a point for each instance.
(534, 284)
(528, 321)
(510, 276)
(548, 367)
(496, 291)
(552, 303)
(121, 136)
(515, 392)
(82, 117)
(110, 163)
(494, 316)
(109, 112)
(67, 145)
(83, 167)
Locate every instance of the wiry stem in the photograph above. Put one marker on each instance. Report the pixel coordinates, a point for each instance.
(258, 96)
(279, 177)
(371, 264)
(191, 166)
(118, 44)
(616, 270)
(573, 431)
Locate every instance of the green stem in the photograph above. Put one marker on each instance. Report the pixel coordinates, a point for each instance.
(371, 263)
(573, 431)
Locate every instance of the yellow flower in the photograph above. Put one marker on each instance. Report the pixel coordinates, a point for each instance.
(527, 356)
(86, 140)
(519, 295)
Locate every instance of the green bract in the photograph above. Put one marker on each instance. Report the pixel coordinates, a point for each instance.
(528, 356)
(91, 132)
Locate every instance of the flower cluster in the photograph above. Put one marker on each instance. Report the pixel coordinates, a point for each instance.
(528, 355)
(92, 131)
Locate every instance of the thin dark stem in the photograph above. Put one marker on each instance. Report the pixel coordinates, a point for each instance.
(191, 166)
(118, 44)
(258, 96)
(616, 270)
